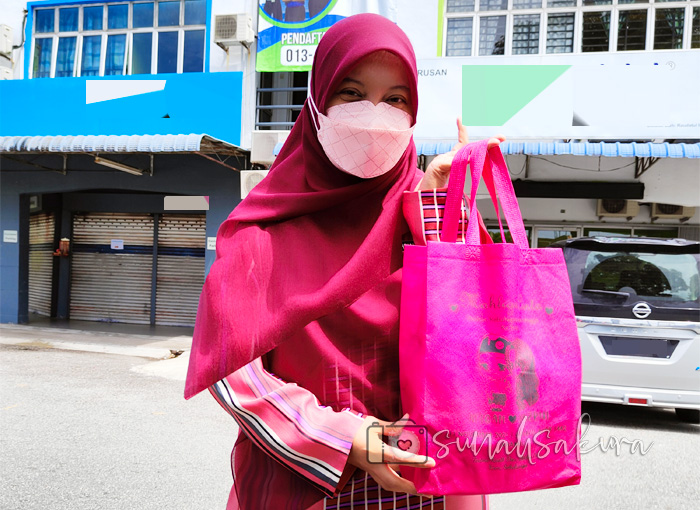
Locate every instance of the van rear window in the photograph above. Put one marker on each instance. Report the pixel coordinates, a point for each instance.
(664, 279)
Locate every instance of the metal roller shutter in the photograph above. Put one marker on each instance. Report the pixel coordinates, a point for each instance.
(112, 285)
(41, 240)
(181, 244)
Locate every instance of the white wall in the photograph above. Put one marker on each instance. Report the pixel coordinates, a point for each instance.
(238, 58)
(562, 211)
(673, 181)
(12, 14)
(420, 20)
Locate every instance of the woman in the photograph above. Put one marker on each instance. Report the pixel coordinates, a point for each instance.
(307, 283)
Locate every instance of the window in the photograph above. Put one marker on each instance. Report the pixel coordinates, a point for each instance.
(668, 33)
(527, 4)
(492, 35)
(460, 5)
(607, 232)
(119, 38)
(526, 34)
(459, 42)
(560, 33)
(532, 27)
(280, 98)
(596, 31)
(493, 5)
(632, 30)
(495, 233)
(545, 236)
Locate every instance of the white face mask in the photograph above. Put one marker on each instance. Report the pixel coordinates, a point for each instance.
(364, 139)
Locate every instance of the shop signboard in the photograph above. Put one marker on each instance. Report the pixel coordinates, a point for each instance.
(618, 97)
(289, 31)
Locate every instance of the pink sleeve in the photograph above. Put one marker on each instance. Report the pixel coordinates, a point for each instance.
(288, 422)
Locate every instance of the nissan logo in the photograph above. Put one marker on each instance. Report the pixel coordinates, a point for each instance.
(641, 310)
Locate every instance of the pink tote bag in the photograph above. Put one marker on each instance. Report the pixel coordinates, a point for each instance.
(489, 353)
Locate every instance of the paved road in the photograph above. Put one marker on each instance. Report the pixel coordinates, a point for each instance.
(99, 431)
(85, 431)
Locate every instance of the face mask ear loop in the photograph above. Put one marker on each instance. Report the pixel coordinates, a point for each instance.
(317, 125)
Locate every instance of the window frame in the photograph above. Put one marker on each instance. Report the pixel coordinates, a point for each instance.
(614, 8)
(105, 32)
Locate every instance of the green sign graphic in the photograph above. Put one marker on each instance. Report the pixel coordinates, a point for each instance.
(493, 94)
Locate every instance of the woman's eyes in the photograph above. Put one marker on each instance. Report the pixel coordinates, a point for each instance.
(397, 100)
(350, 93)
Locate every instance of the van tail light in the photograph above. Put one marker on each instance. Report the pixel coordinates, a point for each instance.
(639, 401)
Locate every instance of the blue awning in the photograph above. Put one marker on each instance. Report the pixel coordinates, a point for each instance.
(116, 143)
(607, 149)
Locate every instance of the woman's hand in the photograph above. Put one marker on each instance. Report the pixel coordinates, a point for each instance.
(438, 172)
(380, 459)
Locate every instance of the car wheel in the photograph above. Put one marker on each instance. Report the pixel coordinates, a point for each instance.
(688, 415)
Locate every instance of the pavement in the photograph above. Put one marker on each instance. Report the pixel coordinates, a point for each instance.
(169, 345)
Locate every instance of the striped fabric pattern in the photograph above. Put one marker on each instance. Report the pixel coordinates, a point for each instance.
(288, 423)
(363, 492)
(432, 211)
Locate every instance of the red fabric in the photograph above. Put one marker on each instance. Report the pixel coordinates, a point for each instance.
(310, 239)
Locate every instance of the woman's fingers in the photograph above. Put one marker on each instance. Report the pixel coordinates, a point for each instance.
(394, 455)
(462, 135)
(389, 480)
(495, 141)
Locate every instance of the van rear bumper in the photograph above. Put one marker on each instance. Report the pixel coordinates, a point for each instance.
(653, 397)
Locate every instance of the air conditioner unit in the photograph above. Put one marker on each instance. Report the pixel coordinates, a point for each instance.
(6, 40)
(262, 145)
(232, 29)
(617, 208)
(671, 212)
(250, 179)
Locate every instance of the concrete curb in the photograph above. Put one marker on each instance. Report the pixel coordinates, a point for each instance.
(145, 346)
(126, 350)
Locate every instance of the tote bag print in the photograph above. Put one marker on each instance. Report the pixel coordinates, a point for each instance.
(489, 353)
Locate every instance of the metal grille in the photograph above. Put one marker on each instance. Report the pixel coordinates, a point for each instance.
(181, 245)
(226, 27)
(41, 240)
(106, 284)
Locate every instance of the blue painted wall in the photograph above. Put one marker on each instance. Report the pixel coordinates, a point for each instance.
(9, 255)
(208, 103)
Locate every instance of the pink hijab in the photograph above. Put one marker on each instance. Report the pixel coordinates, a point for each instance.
(310, 239)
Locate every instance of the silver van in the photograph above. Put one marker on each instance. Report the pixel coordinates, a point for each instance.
(637, 305)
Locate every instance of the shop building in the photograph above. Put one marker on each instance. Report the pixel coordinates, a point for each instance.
(123, 132)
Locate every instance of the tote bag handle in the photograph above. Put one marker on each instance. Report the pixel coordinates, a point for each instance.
(455, 192)
(491, 165)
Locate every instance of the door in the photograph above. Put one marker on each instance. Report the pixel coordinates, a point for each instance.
(112, 264)
(42, 228)
(181, 245)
